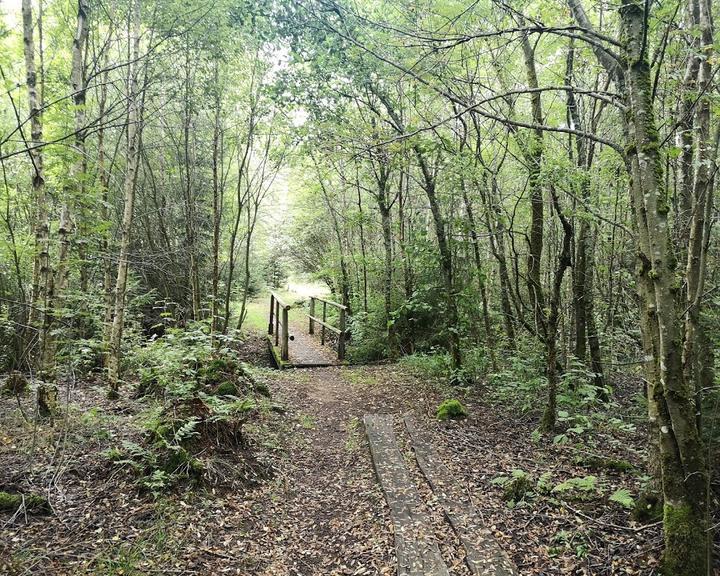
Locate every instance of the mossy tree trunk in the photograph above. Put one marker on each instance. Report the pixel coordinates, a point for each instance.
(683, 465)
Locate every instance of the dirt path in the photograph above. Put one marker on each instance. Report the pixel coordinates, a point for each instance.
(328, 515)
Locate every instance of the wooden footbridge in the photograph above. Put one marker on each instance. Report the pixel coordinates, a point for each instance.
(293, 333)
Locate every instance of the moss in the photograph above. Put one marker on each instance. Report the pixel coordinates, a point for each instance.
(226, 389)
(177, 460)
(11, 502)
(16, 383)
(47, 398)
(262, 389)
(547, 422)
(451, 410)
(218, 370)
(686, 542)
(648, 508)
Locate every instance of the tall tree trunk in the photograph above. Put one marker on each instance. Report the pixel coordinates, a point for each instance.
(496, 228)
(133, 158)
(482, 287)
(58, 284)
(683, 465)
(586, 334)
(533, 153)
(41, 222)
(216, 210)
(190, 224)
(103, 183)
(446, 261)
(363, 250)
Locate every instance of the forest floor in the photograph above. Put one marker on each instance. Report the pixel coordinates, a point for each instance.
(315, 507)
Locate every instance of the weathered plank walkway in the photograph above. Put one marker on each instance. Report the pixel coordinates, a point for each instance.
(306, 351)
(417, 551)
(484, 556)
(294, 346)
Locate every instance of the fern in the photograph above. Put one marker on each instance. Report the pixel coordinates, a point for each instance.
(187, 430)
(623, 497)
(586, 484)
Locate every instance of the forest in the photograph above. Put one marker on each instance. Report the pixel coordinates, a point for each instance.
(353, 287)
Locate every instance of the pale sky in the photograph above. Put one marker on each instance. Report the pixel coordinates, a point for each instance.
(11, 12)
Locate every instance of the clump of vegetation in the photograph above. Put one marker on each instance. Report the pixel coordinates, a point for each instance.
(577, 488)
(451, 409)
(648, 508)
(47, 400)
(516, 486)
(200, 400)
(602, 463)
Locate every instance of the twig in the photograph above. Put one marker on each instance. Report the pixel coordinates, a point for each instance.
(610, 524)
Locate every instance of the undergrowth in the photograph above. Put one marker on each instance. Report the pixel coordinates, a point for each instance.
(198, 400)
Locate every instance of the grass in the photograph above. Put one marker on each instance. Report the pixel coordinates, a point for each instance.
(353, 435)
(307, 421)
(360, 377)
(257, 315)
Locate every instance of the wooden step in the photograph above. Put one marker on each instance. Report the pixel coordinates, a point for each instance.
(416, 549)
(483, 554)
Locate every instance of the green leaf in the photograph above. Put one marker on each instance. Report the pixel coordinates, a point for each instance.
(623, 497)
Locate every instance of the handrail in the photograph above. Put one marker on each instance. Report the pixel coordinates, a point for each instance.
(278, 325)
(279, 300)
(340, 330)
(330, 302)
(325, 324)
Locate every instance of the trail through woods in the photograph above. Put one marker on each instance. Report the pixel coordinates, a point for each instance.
(317, 509)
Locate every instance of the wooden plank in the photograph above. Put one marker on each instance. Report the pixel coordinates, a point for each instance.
(417, 552)
(279, 300)
(275, 351)
(342, 335)
(328, 326)
(284, 350)
(483, 554)
(330, 303)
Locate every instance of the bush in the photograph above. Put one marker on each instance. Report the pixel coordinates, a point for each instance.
(202, 400)
(451, 410)
(430, 366)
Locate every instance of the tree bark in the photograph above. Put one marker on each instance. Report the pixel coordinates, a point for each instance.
(216, 210)
(683, 465)
(41, 223)
(133, 157)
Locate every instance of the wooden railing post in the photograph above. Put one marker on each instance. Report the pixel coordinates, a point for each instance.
(277, 321)
(272, 312)
(341, 336)
(322, 332)
(311, 330)
(284, 351)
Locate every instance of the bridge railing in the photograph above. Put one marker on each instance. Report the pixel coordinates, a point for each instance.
(278, 324)
(340, 329)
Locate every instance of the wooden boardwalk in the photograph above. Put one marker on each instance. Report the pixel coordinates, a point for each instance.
(298, 339)
(306, 351)
(416, 550)
(483, 555)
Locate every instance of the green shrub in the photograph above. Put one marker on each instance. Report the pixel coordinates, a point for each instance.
(451, 410)
(200, 399)
(435, 366)
(226, 389)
